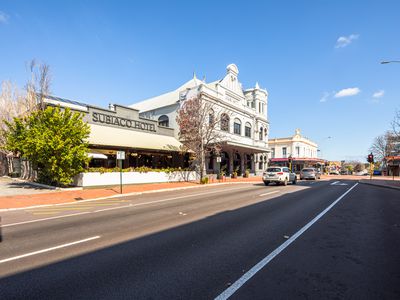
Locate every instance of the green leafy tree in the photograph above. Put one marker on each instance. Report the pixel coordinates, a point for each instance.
(54, 140)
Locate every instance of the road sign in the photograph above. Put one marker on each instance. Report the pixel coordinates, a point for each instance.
(218, 159)
(120, 154)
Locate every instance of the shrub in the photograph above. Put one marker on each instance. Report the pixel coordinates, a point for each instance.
(54, 141)
(204, 180)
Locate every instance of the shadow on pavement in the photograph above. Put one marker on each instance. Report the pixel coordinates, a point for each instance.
(197, 260)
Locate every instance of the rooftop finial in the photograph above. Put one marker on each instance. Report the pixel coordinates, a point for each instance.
(194, 75)
(257, 86)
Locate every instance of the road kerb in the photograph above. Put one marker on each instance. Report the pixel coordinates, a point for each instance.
(364, 181)
(128, 194)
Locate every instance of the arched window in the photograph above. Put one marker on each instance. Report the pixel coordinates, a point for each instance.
(163, 121)
(247, 130)
(225, 122)
(211, 117)
(237, 126)
(261, 133)
(265, 133)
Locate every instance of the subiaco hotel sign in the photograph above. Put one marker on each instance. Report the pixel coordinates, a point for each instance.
(122, 122)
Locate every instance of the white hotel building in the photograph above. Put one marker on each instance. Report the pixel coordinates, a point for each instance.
(245, 145)
(303, 151)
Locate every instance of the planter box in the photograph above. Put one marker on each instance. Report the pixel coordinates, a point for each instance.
(113, 178)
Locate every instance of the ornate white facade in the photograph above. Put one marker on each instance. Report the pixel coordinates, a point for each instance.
(296, 146)
(245, 146)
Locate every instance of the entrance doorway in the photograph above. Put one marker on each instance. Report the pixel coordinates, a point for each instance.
(225, 163)
(237, 166)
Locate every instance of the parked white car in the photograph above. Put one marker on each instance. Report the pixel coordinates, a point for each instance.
(361, 173)
(279, 175)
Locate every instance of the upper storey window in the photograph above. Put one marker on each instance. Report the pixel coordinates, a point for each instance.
(237, 126)
(225, 122)
(163, 121)
(247, 130)
(211, 117)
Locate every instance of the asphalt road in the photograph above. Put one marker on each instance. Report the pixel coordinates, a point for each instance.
(202, 243)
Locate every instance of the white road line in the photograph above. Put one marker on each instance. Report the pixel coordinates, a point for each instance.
(249, 274)
(160, 201)
(49, 249)
(45, 219)
(113, 208)
(265, 194)
(334, 183)
(109, 198)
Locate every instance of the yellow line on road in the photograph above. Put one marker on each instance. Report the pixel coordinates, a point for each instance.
(45, 213)
(70, 207)
(55, 209)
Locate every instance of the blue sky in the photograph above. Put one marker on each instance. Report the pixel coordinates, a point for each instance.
(319, 60)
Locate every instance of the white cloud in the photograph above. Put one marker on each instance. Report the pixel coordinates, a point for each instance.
(378, 94)
(347, 92)
(324, 97)
(3, 17)
(344, 41)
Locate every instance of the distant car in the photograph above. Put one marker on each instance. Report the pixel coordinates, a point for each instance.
(279, 175)
(361, 173)
(334, 172)
(309, 173)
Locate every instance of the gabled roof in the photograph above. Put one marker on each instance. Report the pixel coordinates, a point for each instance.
(167, 98)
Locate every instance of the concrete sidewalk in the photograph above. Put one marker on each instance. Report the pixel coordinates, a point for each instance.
(387, 183)
(64, 196)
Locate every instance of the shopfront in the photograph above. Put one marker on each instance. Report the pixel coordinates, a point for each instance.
(299, 163)
(120, 128)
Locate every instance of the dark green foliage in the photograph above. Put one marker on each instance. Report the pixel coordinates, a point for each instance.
(54, 140)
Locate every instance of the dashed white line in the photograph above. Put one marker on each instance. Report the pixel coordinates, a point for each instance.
(45, 219)
(249, 274)
(269, 193)
(113, 208)
(49, 249)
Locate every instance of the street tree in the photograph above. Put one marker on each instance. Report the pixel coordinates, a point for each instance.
(359, 167)
(383, 145)
(38, 86)
(53, 140)
(16, 102)
(199, 130)
(396, 125)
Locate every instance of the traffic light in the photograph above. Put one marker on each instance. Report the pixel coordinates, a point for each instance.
(370, 158)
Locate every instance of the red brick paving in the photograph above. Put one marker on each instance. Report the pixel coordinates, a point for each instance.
(64, 196)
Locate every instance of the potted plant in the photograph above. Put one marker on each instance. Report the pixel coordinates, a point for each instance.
(246, 173)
